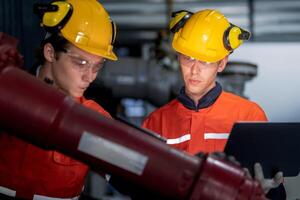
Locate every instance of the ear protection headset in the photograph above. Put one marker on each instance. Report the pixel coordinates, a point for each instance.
(231, 37)
(179, 18)
(53, 17)
(114, 32)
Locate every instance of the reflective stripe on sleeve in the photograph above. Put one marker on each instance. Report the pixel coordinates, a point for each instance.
(217, 136)
(179, 140)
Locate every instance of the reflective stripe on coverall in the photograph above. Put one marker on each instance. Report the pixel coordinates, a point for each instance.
(206, 129)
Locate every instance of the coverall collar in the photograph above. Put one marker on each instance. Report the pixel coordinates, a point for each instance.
(208, 99)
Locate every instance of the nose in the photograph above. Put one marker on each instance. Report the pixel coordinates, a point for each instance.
(88, 75)
(196, 67)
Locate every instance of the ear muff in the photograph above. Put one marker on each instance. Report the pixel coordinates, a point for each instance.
(234, 36)
(54, 16)
(114, 32)
(178, 20)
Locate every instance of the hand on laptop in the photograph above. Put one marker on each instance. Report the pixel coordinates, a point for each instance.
(266, 183)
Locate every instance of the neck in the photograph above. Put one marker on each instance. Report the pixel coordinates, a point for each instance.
(45, 75)
(194, 97)
(197, 97)
(45, 72)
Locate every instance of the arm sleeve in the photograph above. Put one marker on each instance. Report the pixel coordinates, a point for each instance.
(257, 114)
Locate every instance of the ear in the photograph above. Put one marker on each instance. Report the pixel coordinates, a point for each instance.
(222, 64)
(49, 52)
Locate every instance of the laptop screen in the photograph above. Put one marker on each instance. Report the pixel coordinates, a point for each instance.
(275, 145)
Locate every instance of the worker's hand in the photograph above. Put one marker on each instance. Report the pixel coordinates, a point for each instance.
(267, 184)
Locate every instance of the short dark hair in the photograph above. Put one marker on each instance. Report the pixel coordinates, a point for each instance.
(58, 42)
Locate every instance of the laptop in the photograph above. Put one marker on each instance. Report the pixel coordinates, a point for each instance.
(275, 145)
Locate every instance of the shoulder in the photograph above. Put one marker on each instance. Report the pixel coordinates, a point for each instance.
(94, 106)
(156, 116)
(236, 100)
(169, 107)
(243, 105)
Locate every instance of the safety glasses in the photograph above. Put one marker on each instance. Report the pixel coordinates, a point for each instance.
(189, 61)
(82, 64)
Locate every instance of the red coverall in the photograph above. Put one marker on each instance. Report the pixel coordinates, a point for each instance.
(205, 130)
(28, 172)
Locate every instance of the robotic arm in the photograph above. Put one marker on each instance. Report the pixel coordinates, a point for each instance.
(49, 119)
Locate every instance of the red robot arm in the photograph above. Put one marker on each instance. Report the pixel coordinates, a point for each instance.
(39, 114)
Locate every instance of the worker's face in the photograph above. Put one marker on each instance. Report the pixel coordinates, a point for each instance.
(199, 77)
(74, 70)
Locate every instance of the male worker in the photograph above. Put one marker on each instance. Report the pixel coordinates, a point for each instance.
(79, 39)
(201, 117)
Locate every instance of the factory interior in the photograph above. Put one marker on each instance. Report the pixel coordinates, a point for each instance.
(265, 69)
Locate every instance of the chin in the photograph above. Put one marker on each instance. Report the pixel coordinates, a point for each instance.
(193, 90)
(76, 94)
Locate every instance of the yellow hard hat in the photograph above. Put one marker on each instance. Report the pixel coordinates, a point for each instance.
(205, 35)
(84, 23)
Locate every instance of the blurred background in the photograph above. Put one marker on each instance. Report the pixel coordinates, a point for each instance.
(264, 69)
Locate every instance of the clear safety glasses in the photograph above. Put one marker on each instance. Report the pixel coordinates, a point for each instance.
(189, 61)
(82, 64)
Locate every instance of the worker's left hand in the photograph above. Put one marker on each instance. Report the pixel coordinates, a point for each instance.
(267, 184)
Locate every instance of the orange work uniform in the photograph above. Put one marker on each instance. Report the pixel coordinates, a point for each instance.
(28, 172)
(206, 129)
